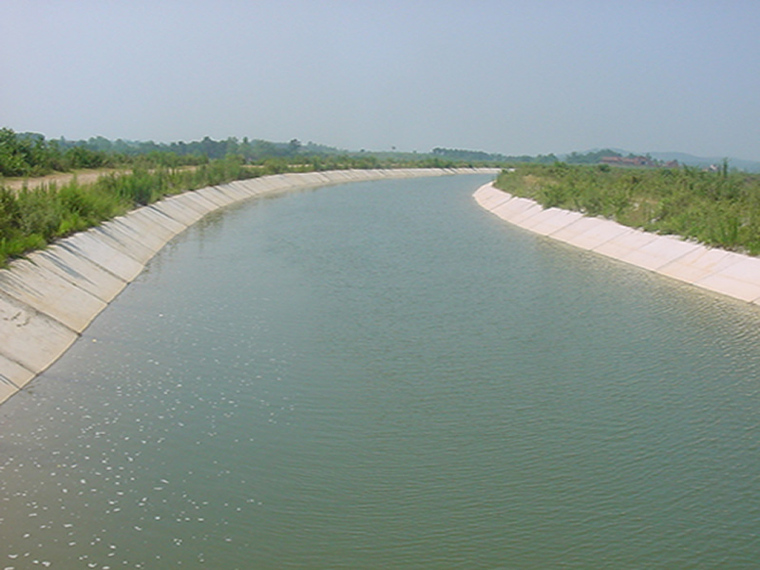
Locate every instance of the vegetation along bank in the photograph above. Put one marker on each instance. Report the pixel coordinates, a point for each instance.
(719, 209)
(48, 299)
(35, 212)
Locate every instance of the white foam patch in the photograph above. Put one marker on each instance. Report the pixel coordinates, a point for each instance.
(47, 300)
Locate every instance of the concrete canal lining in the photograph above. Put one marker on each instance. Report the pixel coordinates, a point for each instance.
(716, 270)
(49, 298)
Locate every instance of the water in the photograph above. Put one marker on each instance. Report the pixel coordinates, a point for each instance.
(383, 375)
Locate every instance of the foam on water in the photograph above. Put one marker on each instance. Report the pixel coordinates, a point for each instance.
(383, 375)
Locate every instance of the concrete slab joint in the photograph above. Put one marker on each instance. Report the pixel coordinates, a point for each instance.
(719, 271)
(47, 300)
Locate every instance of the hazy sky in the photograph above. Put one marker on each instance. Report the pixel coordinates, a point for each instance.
(516, 77)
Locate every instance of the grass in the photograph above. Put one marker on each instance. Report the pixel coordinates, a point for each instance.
(32, 218)
(720, 209)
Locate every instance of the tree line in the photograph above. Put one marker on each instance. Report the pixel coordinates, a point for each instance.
(31, 218)
(30, 154)
(480, 156)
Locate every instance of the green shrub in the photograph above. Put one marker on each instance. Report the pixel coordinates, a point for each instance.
(716, 208)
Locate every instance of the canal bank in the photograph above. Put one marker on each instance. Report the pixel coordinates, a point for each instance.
(716, 270)
(384, 375)
(49, 298)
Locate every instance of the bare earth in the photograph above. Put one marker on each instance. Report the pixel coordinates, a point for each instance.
(83, 177)
(88, 176)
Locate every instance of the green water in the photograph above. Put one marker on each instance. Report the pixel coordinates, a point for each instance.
(383, 375)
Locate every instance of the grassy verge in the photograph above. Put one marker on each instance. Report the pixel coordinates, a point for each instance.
(32, 218)
(720, 209)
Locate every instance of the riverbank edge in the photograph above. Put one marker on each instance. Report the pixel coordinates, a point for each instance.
(49, 298)
(720, 271)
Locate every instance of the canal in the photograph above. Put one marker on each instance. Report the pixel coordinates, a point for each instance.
(384, 375)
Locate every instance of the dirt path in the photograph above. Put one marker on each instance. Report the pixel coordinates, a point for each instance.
(82, 176)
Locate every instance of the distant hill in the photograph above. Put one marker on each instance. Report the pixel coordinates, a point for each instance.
(681, 157)
(691, 160)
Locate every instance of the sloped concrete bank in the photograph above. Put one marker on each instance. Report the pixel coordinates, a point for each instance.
(48, 299)
(716, 270)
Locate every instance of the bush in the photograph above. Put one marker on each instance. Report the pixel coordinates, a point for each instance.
(717, 208)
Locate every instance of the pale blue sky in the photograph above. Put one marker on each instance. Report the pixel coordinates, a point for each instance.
(514, 77)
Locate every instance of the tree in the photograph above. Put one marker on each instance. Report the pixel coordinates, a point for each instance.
(294, 146)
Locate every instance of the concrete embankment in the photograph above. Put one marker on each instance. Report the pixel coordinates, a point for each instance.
(716, 270)
(49, 298)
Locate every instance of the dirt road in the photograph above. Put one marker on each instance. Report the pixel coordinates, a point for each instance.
(82, 176)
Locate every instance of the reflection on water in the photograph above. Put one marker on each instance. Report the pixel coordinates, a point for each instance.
(384, 375)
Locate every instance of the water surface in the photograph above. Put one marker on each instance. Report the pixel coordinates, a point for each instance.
(383, 375)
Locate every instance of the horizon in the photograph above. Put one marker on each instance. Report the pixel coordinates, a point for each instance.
(502, 77)
(624, 152)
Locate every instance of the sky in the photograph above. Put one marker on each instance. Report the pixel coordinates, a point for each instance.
(512, 77)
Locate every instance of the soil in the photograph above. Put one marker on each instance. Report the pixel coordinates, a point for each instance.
(83, 177)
